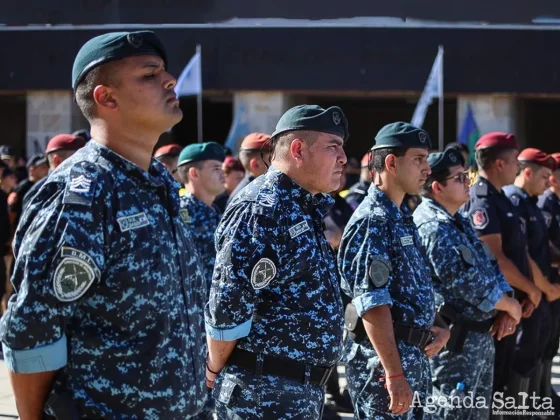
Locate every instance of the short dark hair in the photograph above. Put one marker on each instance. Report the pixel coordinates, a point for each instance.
(440, 177)
(524, 165)
(486, 157)
(377, 162)
(101, 75)
(183, 170)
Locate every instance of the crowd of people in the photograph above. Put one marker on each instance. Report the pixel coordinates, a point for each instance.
(184, 282)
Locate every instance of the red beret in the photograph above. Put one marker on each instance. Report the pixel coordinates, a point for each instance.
(496, 139)
(365, 160)
(256, 141)
(233, 164)
(537, 156)
(65, 142)
(169, 149)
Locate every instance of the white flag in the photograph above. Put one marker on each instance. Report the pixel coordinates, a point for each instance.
(433, 89)
(190, 80)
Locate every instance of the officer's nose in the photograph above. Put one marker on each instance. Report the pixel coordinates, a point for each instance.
(170, 81)
(342, 159)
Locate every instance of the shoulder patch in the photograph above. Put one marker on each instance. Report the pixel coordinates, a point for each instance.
(547, 218)
(74, 275)
(465, 253)
(263, 273)
(515, 200)
(80, 186)
(480, 219)
(379, 271)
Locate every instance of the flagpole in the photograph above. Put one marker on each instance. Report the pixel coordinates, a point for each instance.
(440, 102)
(199, 97)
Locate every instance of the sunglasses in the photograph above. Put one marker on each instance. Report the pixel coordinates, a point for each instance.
(461, 178)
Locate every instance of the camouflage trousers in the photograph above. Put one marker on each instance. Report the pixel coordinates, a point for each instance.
(474, 367)
(243, 395)
(364, 372)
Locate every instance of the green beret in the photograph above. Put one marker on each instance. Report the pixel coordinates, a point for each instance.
(114, 46)
(443, 160)
(401, 135)
(313, 118)
(201, 151)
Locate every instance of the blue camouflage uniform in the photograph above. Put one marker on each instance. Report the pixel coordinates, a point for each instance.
(275, 289)
(203, 221)
(109, 291)
(468, 281)
(380, 233)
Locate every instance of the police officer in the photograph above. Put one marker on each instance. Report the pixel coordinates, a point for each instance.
(532, 181)
(275, 310)
(37, 168)
(59, 148)
(254, 155)
(496, 222)
(200, 169)
(235, 173)
(168, 156)
(549, 203)
(359, 191)
(469, 287)
(107, 317)
(387, 277)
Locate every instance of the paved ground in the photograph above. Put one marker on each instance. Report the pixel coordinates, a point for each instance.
(8, 406)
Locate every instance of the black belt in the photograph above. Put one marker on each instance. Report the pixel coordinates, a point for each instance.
(276, 366)
(449, 315)
(413, 336)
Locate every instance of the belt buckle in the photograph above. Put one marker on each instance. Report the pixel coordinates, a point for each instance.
(326, 375)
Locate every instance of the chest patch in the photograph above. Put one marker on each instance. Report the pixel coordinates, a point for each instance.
(547, 218)
(184, 213)
(133, 222)
(407, 240)
(298, 229)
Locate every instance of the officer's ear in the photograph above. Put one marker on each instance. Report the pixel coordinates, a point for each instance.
(193, 173)
(296, 149)
(103, 97)
(436, 188)
(391, 164)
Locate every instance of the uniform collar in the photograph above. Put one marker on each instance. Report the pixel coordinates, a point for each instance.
(320, 202)
(381, 199)
(440, 212)
(155, 176)
(519, 191)
(197, 201)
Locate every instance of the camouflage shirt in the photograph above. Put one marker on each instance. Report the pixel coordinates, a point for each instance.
(275, 286)
(108, 289)
(464, 270)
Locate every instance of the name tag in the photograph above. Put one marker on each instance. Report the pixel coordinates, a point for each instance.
(299, 229)
(133, 222)
(407, 240)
